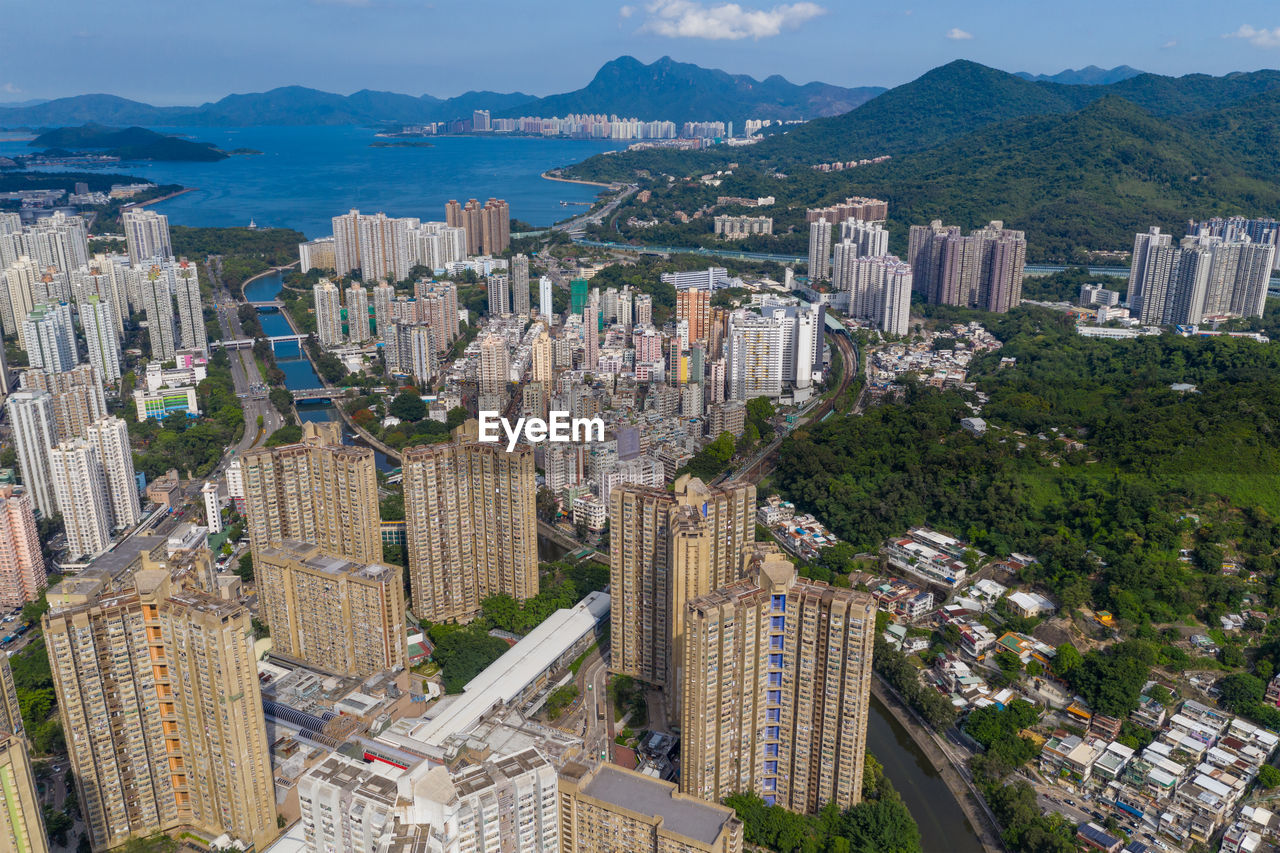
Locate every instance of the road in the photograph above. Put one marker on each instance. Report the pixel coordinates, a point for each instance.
(578, 223)
(597, 728)
(249, 381)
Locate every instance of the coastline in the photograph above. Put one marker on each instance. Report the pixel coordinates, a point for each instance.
(160, 199)
(970, 801)
(263, 274)
(550, 177)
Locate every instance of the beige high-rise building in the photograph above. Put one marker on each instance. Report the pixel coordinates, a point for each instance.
(495, 365)
(609, 809)
(488, 226)
(22, 566)
(668, 548)
(146, 234)
(339, 615)
(471, 526)
(158, 693)
(111, 438)
(78, 398)
(543, 370)
(318, 490)
(21, 820)
(438, 308)
(777, 679)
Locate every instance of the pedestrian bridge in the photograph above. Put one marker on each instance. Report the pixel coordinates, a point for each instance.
(300, 394)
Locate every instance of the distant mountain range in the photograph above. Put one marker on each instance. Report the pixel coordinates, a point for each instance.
(1090, 75)
(1076, 166)
(664, 89)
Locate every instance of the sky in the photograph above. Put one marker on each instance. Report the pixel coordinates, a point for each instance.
(191, 51)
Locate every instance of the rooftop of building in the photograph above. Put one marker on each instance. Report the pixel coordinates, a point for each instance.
(686, 816)
(316, 559)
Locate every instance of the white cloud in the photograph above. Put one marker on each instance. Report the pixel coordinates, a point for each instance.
(1171, 43)
(1258, 38)
(957, 34)
(690, 19)
(627, 11)
(10, 89)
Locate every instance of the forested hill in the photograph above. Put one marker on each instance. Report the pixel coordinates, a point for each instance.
(1077, 167)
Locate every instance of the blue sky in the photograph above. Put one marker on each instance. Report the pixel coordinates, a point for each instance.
(189, 51)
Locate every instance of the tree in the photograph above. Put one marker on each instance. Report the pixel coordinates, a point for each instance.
(1239, 691)
(408, 406)
(1268, 776)
(1067, 659)
(244, 568)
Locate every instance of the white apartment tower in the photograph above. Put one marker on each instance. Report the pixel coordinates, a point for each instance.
(754, 356)
(186, 287)
(157, 301)
(544, 298)
(212, 507)
(51, 338)
(820, 250)
(147, 235)
(97, 319)
(328, 300)
(357, 314)
(34, 435)
(81, 491)
(110, 437)
(520, 285)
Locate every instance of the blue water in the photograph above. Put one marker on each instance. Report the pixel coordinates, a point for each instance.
(307, 175)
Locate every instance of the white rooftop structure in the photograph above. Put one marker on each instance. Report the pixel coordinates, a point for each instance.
(507, 677)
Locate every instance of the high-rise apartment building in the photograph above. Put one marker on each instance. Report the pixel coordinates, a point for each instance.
(156, 291)
(384, 296)
(21, 818)
(51, 338)
(644, 309)
(328, 301)
(754, 353)
(342, 616)
(34, 435)
(316, 254)
(438, 308)
(318, 491)
(17, 296)
(777, 681)
(101, 335)
(666, 549)
(147, 234)
(876, 289)
(820, 249)
(471, 526)
(376, 244)
(186, 288)
(520, 284)
(499, 295)
(495, 365)
(158, 693)
(545, 303)
(694, 306)
(101, 281)
(542, 369)
(22, 566)
(77, 398)
(358, 314)
(578, 295)
(610, 809)
(869, 239)
(855, 207)
(982, 270)
(1203, 276)
(488, 226)
(590, 336)
(1233, 229)
(110, 437)
(80, 488)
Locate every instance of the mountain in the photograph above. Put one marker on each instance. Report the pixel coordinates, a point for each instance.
(666, 89)
(681, 91)
(1077, 167)
(133, 143)
(1090, 75)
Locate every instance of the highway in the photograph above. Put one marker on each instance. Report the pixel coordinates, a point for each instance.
(244, 370)
(578, 223)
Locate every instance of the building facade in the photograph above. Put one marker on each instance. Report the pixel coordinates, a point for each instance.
(338, 615)
(22, 565)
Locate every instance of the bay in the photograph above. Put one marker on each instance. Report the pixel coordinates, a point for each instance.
(307, 175)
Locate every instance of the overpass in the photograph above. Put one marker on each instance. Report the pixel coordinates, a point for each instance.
(237, 343)
(270, 303)
(300, 394)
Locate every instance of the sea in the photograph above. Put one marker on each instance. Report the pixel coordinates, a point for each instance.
(307, 175)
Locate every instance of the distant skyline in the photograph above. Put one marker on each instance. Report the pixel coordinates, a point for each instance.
(180, 53)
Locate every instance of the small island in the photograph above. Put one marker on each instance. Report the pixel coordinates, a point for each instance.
(243, 152)
(132, 143)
